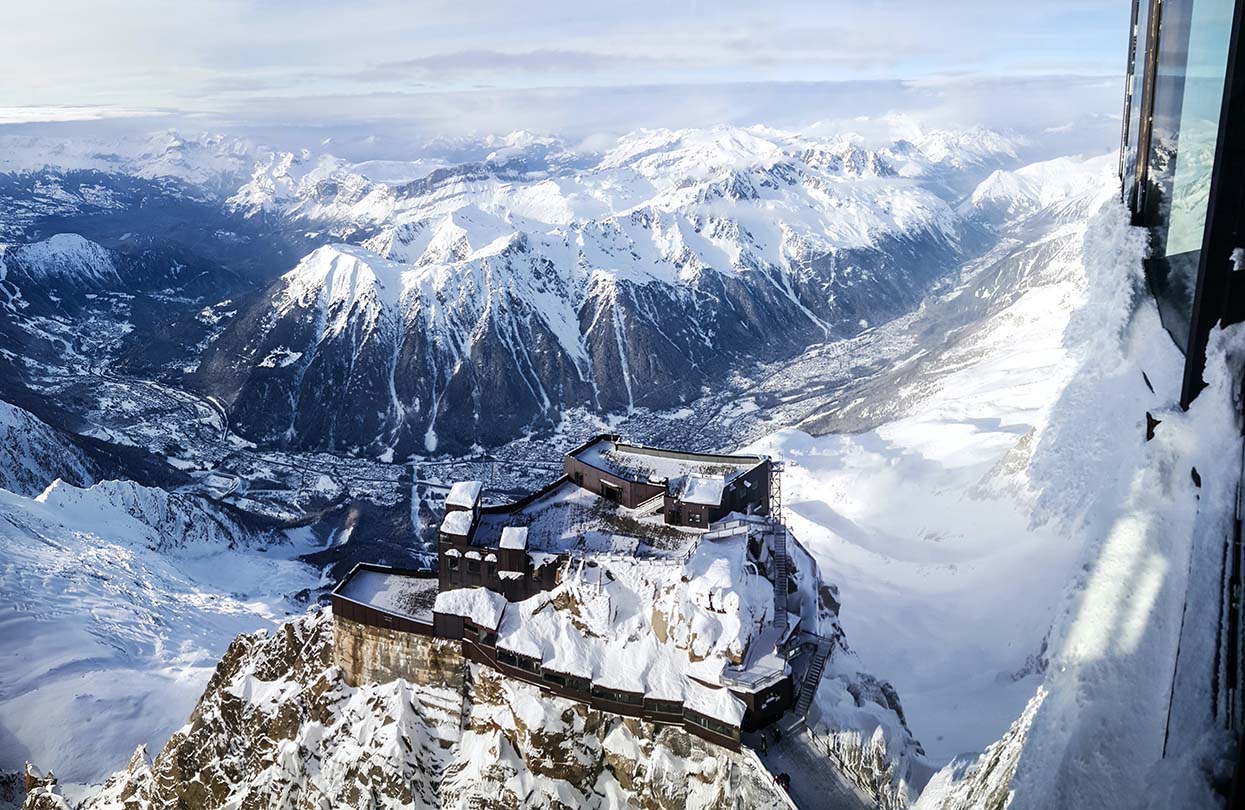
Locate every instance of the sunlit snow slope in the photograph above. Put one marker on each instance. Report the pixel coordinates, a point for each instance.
(954, 530)
(118, 599)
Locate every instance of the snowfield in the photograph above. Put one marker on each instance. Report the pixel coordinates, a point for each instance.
(117, 605)
(948, 555)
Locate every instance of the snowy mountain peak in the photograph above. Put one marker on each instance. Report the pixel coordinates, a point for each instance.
(66, 257)
(347, 284)
(692, 154)
(1009, 195)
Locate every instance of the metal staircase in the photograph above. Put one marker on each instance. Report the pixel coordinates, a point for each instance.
(778, 538)
(812, 677)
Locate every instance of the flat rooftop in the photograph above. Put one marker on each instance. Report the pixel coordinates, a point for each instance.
(570, 519)
(654, 465)
(398, 593)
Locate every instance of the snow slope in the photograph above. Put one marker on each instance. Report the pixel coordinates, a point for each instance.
(118, 600)
(33, 454)
(1127, 713)
(946, 536)
(1012, 554)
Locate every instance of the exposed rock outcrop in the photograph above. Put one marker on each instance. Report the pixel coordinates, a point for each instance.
(279, 726)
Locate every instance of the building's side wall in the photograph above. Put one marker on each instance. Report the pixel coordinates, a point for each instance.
(749, 491)
(369, 654)
(456, 572)
(751, 488)
(767, 705)
(696, 515)
(634, 493)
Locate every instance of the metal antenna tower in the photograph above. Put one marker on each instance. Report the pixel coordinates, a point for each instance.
(775, 490)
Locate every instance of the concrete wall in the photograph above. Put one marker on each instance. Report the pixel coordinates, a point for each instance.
(379, 655)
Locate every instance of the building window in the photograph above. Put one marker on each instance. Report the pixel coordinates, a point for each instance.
(713, 724)
(473, 566)
(615, 696)
(693, 518)
(1135, 100)
(452, 563)
(1191, 68)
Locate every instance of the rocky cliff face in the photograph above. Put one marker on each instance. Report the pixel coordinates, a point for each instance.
(279, 726)
(983, 783)
(33, 454)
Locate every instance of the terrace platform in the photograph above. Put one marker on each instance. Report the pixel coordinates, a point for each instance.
(569, 519)
(394, 591)
(653, 465)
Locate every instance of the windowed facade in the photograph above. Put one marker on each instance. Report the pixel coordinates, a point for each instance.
(1182, 176)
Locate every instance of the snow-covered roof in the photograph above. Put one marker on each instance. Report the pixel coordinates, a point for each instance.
(714, 702)
(457, 523)
(571, 519)
(480, 605)
(600, 623)
(401, 594)
(464, 494)
(703, 489)
(513, 537)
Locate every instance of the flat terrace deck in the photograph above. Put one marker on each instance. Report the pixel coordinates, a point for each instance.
(652, 464)
(569, 519)
(395, 592)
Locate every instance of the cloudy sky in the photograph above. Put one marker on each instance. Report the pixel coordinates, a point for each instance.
(303, 61)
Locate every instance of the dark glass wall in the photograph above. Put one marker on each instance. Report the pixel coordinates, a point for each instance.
(1136, 100)
(1189, 69)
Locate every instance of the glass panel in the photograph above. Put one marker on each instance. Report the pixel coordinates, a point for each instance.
(1188, 92)
(1209, 33)
(1135, 102)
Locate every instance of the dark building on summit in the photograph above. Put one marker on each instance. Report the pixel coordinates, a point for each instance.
(617, 507)
(609, 488)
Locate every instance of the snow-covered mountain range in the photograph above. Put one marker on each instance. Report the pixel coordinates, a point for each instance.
(542, 276)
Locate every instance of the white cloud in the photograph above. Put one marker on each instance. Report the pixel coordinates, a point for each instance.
(200, 56)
